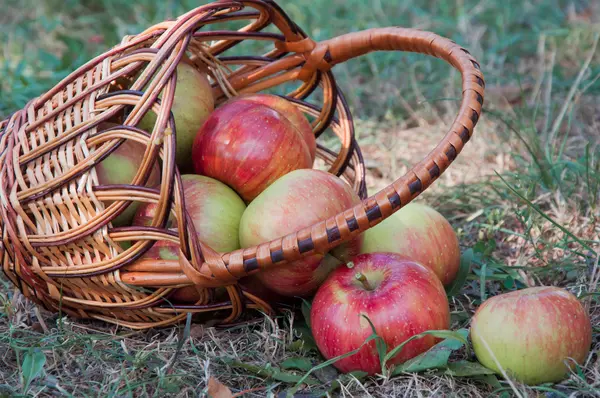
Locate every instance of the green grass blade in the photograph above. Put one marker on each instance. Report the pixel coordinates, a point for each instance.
(463, 272)
(543, 214)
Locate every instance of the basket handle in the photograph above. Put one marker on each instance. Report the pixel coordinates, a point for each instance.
(329, 233)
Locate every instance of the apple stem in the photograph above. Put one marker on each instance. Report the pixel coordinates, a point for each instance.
(363, 279)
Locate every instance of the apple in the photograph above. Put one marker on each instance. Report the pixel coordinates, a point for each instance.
(421, 233)
(120, 167)
(533, 334)
(292, 113)
(215, 210)
(192, 105)
(249, 145)
(185, 295)
(296, 200)
(255, 286)
(401, 297)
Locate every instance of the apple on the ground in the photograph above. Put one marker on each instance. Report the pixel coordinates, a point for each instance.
(420, 232)
(297, 200)
(401, 297)
(249, 145)
(535, 335)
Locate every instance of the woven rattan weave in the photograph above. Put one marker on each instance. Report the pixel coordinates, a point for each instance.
(58, 244)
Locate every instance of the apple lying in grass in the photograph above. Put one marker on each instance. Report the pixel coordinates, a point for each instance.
(297, 200)
(215, 210)
(534, 334)
(249, 145)
(421, 233)
(401, 297)
(120, 167)
(192, 105)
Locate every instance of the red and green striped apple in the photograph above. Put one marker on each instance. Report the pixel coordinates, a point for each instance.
(401, 297)
(297, 200)
(421, 233)
(215, 210)
(533, 334)
(248, 145)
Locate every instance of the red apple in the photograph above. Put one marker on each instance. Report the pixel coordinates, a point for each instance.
(421, 233)
(292, 113)
(120, 167)
(192, 105)
(534, 334)
(248, 146)
(215, 209)
(400, 296)
(297, 200)
(185, 295)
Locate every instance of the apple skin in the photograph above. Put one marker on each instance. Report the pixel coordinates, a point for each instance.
(192, 105)
(531, 332)
(407, 299)
(421, 233)
(215, 210)
(248, 146)
(120, 167)
(297, 200)
(292, 113)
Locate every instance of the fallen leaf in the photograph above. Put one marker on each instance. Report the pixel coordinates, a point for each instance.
(217, 390)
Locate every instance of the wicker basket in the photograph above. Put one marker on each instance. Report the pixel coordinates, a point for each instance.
(58, 244)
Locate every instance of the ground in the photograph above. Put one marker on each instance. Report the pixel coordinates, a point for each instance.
(523, 195)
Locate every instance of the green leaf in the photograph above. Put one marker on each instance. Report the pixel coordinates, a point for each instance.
(509, 283)
(287, 377)
(271, 372)
(435, 358)
(463, 272)
(298, 363)
(359, 374)
(331, 361)
(306, 339)
(492, 380)
(33, 364)
(257, 370)
(306, 307)
(467, 369)
(443, 334)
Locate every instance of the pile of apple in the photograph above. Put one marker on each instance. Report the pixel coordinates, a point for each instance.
(251, 179)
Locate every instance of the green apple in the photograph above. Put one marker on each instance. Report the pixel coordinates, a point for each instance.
(192, 105)
(421, 233)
